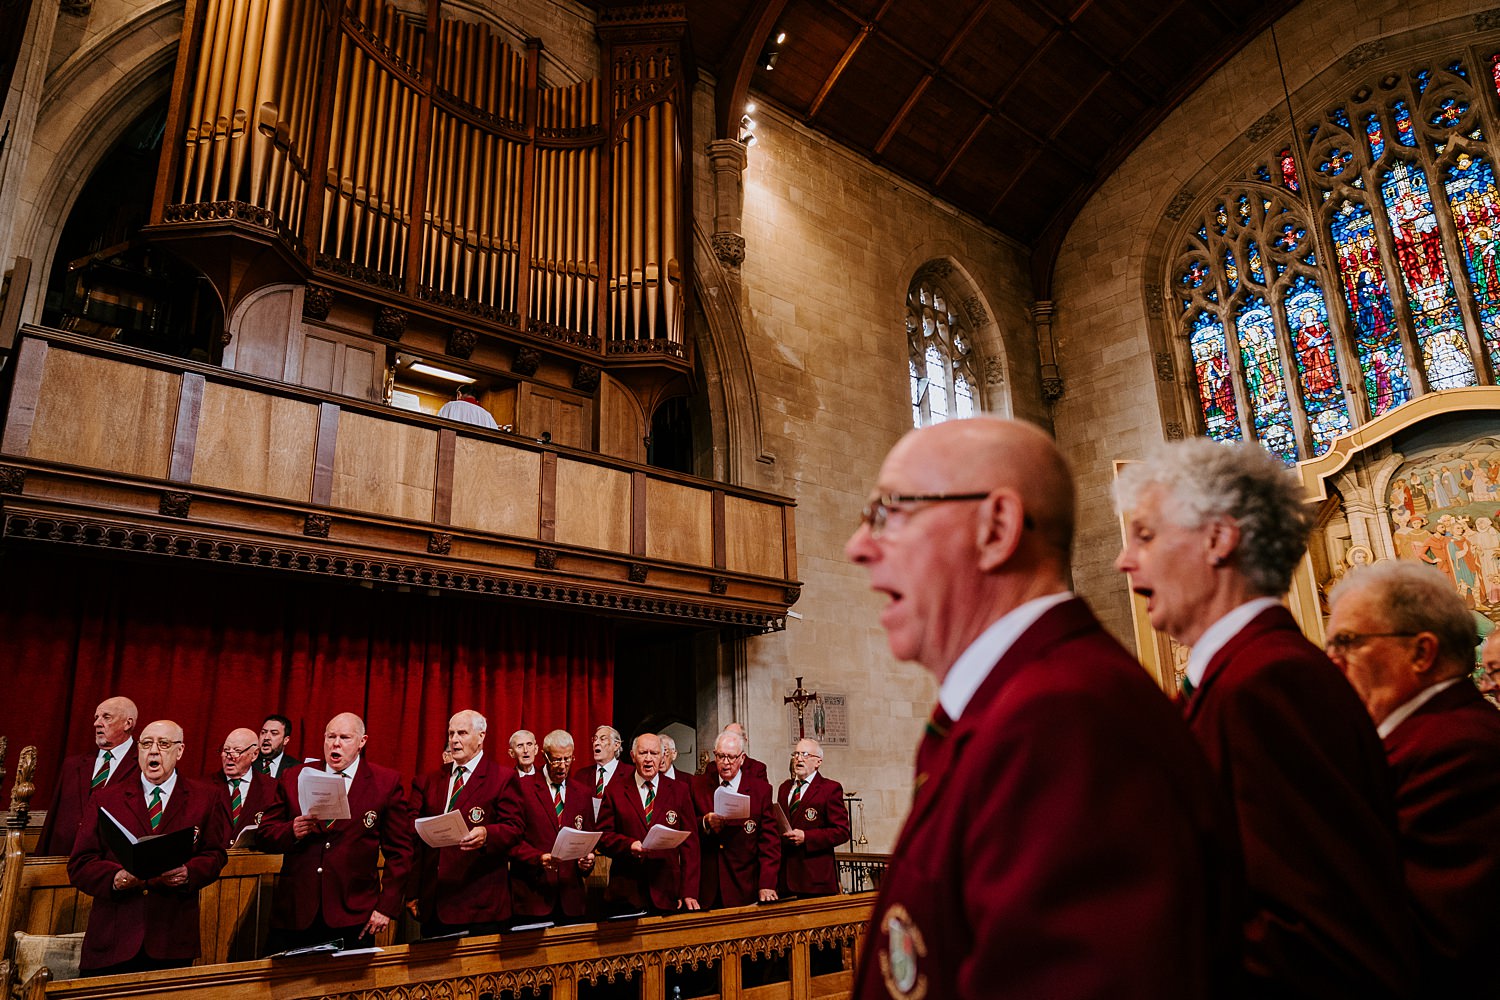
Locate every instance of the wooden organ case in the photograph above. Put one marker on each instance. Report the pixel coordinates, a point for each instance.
(410, 166)
(376, 189)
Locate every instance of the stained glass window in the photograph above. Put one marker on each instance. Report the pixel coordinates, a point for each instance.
(1397, 186)
(942, 364)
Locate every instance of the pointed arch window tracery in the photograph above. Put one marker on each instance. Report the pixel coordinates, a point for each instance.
(942, 364)
(1344, 277)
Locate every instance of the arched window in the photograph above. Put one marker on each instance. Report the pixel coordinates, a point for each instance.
(1335, 282)
(943, 365)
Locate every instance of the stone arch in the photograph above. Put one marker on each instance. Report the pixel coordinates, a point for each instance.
(89, 103)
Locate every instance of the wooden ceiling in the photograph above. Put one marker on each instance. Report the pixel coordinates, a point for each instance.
(1012, 110)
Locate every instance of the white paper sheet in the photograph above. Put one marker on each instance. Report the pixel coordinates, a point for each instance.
(663, 838)
(442, 831)
(246, 837)
(731, 805)
(572, 844)
(322, 795)
(783, 825)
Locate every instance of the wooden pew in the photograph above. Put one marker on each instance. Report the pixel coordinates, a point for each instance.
(646, 953)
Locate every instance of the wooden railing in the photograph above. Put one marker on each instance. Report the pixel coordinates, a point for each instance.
(118, 448)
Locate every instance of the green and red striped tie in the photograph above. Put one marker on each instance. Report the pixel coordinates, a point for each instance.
(101, 775)
(458, 786)
(650, 798)
(236, 802)
(557, 801)
(154, 813)
(797, 792)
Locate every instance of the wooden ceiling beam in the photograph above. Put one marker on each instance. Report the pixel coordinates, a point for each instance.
(866, 29)
(739, 65)
(959, 37)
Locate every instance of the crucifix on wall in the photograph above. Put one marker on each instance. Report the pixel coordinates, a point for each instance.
(800, 699)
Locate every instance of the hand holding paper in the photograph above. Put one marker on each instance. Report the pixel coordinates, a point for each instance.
(442, 831)
(731, 805)
(573, 844)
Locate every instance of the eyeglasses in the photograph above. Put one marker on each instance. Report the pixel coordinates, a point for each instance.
(804, 755)
(233, 751)
(152, 744)
(877, 513)
(1340, 644)
(728, 756)
(558, 760)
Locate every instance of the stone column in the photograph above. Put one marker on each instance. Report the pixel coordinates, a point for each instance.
(1041, 318)
(727, 158)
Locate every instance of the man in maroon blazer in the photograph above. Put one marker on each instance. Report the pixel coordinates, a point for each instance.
(1406, 642)
(466, 887)
(113, 761)
(606, 767)
(137, 924)
(542, 887)
(740, 857)
(1214, 533)
(1066, 838)
(661, 881)
(814, 805)
(248, 793)
(330, 885)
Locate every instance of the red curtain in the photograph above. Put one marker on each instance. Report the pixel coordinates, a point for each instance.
(215, 649)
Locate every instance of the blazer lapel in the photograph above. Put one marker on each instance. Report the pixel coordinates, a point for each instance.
(1267, 621)
(139, 820)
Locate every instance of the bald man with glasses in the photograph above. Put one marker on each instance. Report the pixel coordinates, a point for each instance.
(248, 793)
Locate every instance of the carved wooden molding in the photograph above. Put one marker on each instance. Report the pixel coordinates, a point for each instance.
(316, 301)
(528, 360)
(439, 543)
(638, 572)
(390, 323)
(317, 525)
(186, 543)
(587, 378)
(175, 503)
(12, 479)
(718, 585)
(461, 342)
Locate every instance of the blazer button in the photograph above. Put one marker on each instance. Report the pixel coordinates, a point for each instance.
(327, 846)
(320, 871)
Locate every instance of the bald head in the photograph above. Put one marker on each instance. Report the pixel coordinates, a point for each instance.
(343, 739)
(241, 748)
(114, 721)
(968, 520)
(159, 749)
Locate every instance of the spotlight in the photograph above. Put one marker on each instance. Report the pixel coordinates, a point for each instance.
(747, 131)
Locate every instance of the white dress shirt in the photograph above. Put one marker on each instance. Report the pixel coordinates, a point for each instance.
(975, 663)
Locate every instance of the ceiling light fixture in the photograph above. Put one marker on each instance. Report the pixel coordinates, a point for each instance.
(442, 373)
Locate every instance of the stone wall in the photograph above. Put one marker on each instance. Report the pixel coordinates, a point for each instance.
(831, 246)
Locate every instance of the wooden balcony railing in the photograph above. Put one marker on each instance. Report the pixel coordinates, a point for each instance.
(116, 448)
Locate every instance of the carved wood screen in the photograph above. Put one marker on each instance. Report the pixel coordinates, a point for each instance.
(397, 146)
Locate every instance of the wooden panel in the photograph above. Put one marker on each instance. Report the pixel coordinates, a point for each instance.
(319, 355)
(105, 415)
(593, 506)
(357, 374)
(679, 523)
(26, 388)
(253, 442)
(496, 488)
(258, 344)
(384, 467)
(185, 434)
(752, 536)
(622, 422)
(542, 409)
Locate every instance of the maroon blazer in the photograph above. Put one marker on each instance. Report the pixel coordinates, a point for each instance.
(810, 868)
(468, 887)
(1446, 759)
(335, 872)
(70, 799)
(657, 881)
(1068, 841)
(536, 892)
(752, 768)
(745, 855)
(256, 802)
(157, 920)
(1299, 758)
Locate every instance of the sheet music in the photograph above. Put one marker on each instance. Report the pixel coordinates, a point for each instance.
(731, 805)
(322, 795)
(442, 831)
(572, 844)
(663, 838)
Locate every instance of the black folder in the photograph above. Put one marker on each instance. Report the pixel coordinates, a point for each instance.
(145, 857)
